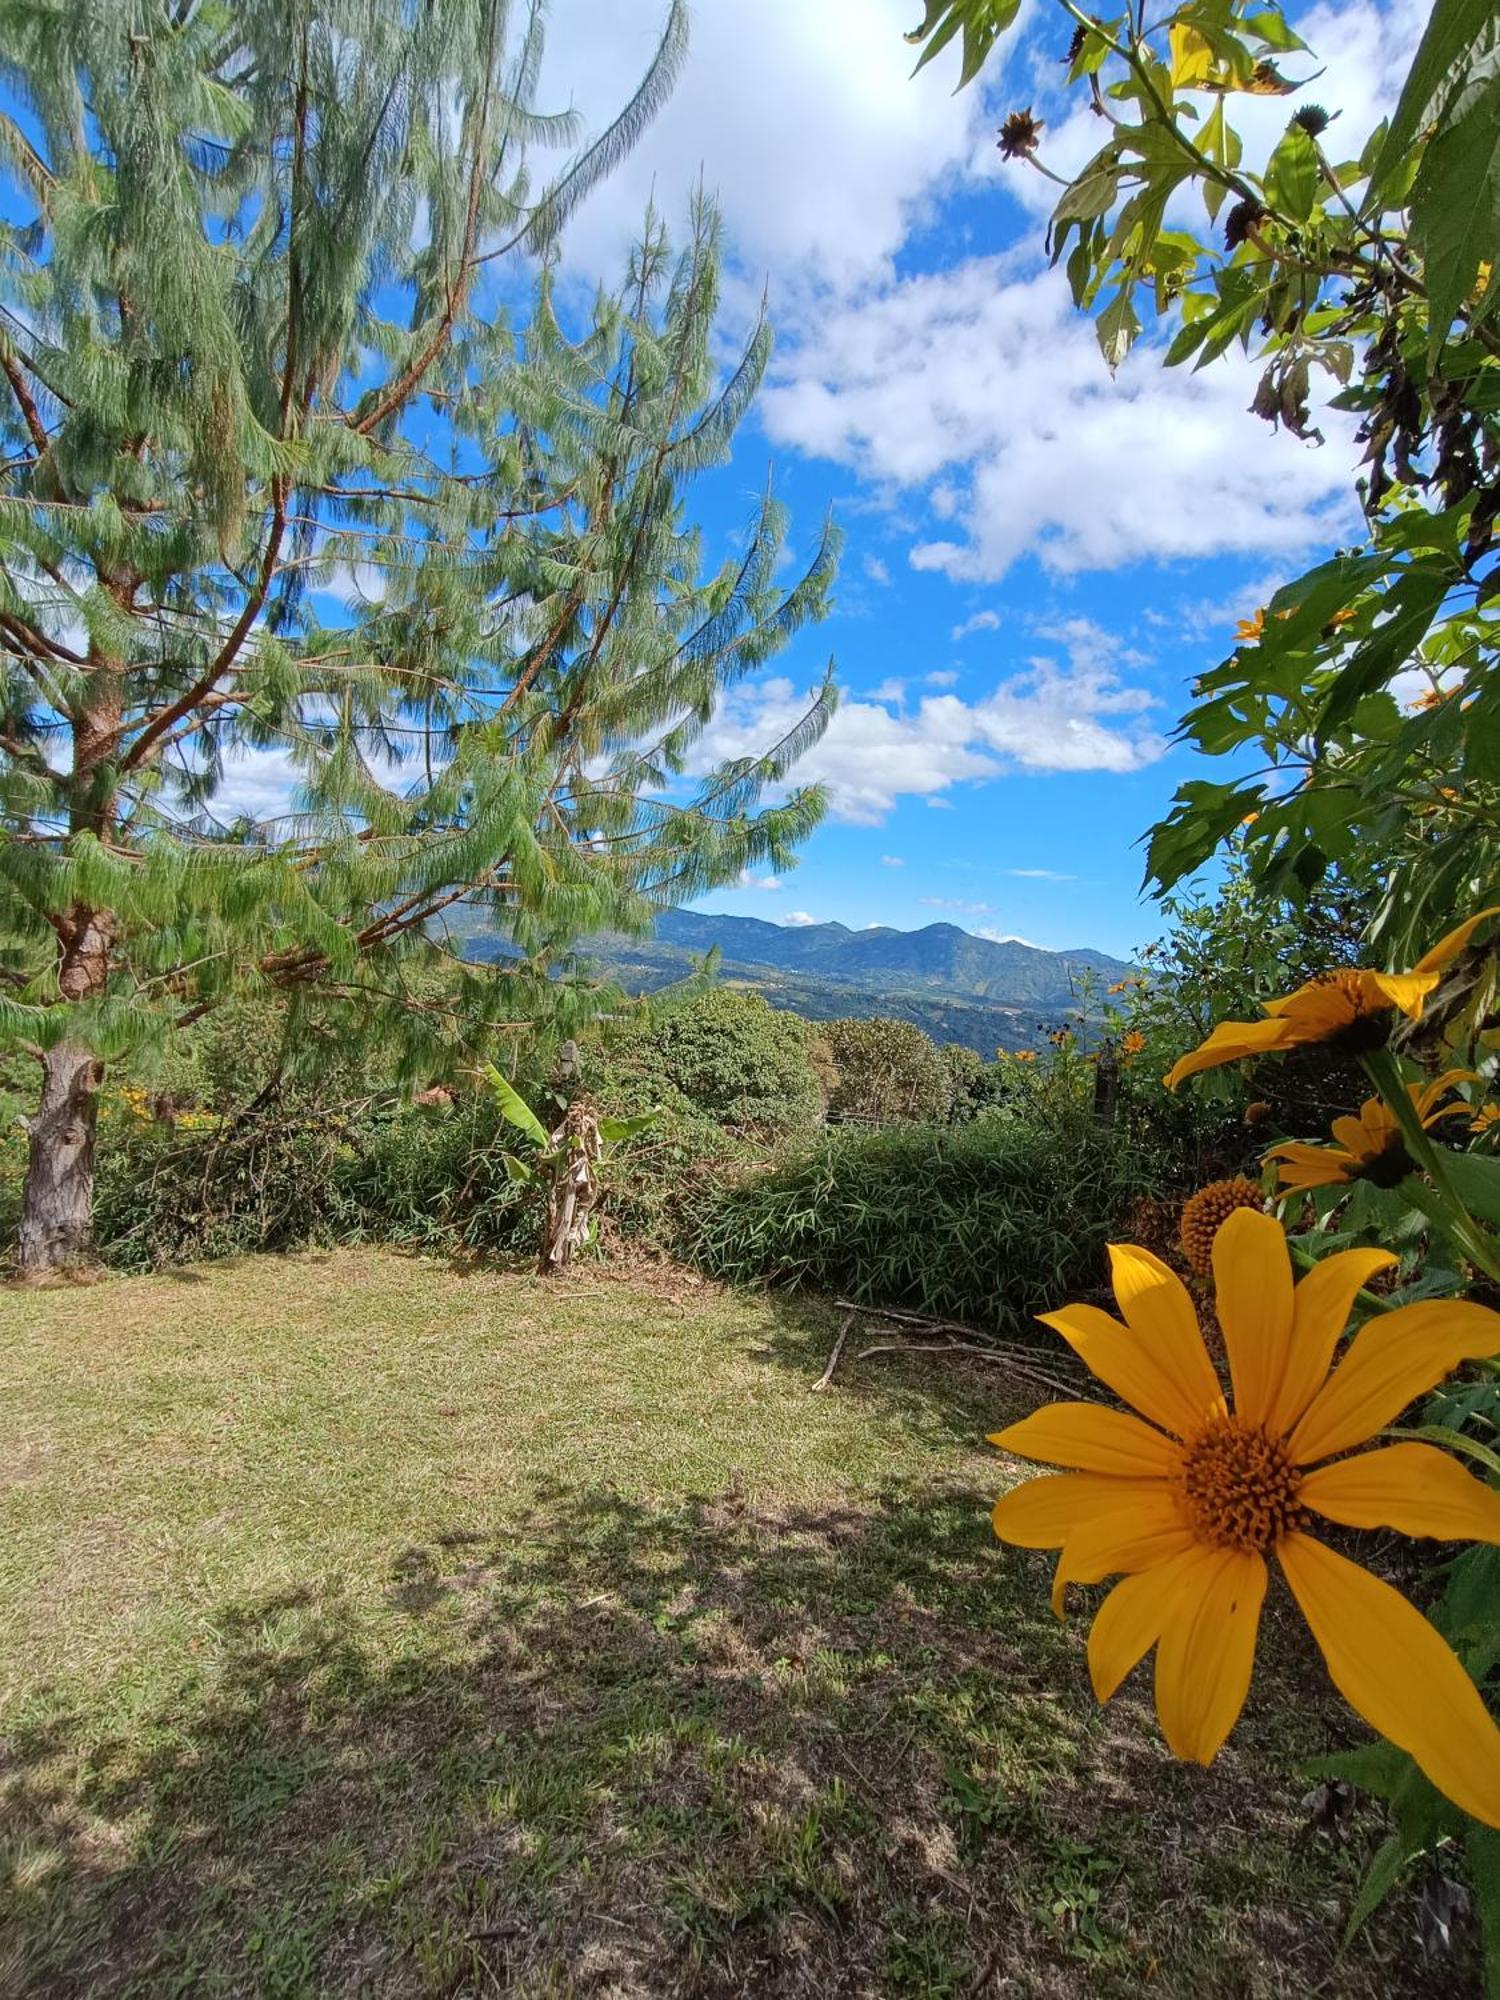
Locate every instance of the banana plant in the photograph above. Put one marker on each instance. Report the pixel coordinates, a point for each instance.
(564, 1165)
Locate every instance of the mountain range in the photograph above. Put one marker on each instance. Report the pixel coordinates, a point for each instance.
(983, 992)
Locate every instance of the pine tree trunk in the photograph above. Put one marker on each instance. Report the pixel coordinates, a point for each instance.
(57, 1219)
(57, 1214)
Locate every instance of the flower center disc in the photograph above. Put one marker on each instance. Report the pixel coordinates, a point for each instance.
(1239, 1486)
(1355, 1024)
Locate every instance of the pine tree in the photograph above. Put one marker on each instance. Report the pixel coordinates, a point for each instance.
(256, 347)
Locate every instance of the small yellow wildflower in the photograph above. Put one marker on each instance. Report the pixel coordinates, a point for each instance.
(1185, 1501)
(1348, 1009)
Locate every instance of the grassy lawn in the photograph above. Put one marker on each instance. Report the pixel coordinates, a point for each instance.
(372, 1627)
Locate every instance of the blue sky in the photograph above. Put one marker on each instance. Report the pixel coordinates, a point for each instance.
(1038, 558)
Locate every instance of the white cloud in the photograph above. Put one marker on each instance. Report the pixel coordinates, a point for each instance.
(982, 621)
(1038, 875)
(892, 861)
(768, 883)
(259, 784)
(1005, 937)
(984, 384)
(957, 903)
(1046, 717)
(876, 570)
(945, 678)
(804, 121)
(889, 690)
(795, 919)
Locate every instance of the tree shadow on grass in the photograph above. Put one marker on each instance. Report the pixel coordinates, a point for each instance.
(699, 1750)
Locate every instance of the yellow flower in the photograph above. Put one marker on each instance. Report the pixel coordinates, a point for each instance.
(1206, 1212)
(1250, 630)
(1485, 1118)
(1187, 1499)
(1025, 1055)
(1347, 1008)
(1132, 1043)
(1370, 1147)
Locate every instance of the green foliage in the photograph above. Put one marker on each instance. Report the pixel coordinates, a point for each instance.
(988, 1223)
(725, 1054)
(887, 1070)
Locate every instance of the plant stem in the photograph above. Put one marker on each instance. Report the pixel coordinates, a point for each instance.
(1441, 1200)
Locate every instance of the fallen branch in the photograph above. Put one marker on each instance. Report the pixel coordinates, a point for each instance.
(833, 1360)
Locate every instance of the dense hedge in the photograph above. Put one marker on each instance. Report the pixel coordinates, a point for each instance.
(989, 1223)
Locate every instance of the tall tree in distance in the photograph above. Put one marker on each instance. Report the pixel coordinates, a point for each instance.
(253, 353)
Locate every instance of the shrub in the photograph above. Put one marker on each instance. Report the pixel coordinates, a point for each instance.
(887, 1070)
(989, 1222)
(727, 1055)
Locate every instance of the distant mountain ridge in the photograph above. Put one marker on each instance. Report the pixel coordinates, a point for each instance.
(983, 992)
(938, 955)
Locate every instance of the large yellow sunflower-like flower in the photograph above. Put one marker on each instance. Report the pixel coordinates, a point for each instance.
(1186, 1500)
(1350, 1008)
(1370, 1147)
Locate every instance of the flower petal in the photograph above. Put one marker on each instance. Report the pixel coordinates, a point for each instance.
(1126, 1364)
(1091, 1438)
(1207, 1653)
(1412, 1488)
(1131, 1618)
(1159, 1308)
(1141, 1523)
(1390, 1362)
(1229, 1042)
(1321, 1306)
(1038, 1513)
(1447, 949)
(1395, 1670)
(1406, 990)
(1253, 1293)
(1301, 1166)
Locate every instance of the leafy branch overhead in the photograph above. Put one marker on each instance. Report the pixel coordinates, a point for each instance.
(1358, 708)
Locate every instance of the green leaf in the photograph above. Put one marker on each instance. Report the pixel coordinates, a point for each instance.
(1452, 31)
(1413, 603)
(1117, 327)
(981, 23)
(1293, 174)
(1455, 206)
(1380, 1878)
(512, 1107)
(517, 1171)
(1483, 1846)
(1477, 1178)
(617, 1130)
